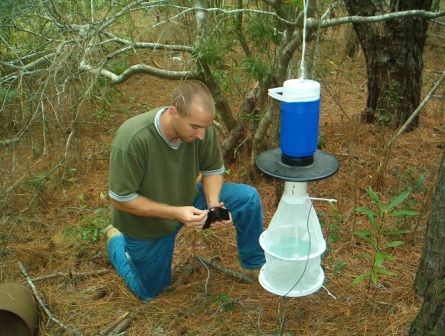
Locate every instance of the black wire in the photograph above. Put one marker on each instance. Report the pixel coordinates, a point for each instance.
(309, 252)
(304, 269)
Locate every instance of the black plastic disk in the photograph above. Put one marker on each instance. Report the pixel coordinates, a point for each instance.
(323, 166)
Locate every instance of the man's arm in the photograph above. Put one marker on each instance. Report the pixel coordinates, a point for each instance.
(144, 207)
(211, 186)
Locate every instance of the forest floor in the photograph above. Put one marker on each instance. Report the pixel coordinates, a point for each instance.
(59, 246)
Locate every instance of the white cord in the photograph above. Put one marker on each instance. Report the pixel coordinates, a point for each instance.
(330, 200)
(208, 276)
(303, 49)
(329, 293)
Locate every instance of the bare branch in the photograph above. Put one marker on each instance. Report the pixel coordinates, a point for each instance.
(145, 45)
(83, 32)
(137, 69)
(70, 275)
(378, 18)
(226, 271)
(42, 303)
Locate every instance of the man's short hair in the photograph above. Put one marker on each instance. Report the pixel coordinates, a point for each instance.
(192, 92)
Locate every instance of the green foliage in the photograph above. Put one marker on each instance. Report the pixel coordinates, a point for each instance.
(243, 172)
(227, 78)
(214, 47)
(321, 141)
(389, 102)
(332, 223)
(379, 235)
(257, 66)
(36, 182)
(206, 233)
(11, 112)
(7, 95)
(262, 36)
(225, 301)
(101, 114)
(89, 229)
(9, 10)
(414, 181)
(339, 266)
(261, 31)
(392, 97)
(117, 66)
(216, 50)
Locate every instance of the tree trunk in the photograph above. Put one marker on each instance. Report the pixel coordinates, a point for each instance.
(430, 279)
(393, 50)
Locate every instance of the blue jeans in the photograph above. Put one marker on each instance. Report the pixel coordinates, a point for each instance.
(145, 265)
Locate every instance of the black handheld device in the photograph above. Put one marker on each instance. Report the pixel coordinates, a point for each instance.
(216, 214)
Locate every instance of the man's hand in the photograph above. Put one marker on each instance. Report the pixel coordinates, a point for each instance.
(192, 217)
(221, 223)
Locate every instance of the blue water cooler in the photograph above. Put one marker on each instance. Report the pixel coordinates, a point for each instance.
(300, 117)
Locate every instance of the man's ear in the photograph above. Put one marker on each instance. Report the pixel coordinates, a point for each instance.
(172, 111)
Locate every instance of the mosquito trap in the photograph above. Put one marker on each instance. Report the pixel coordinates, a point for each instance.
(293, 242)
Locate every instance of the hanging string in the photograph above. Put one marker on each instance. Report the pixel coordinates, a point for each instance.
(302, 74)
